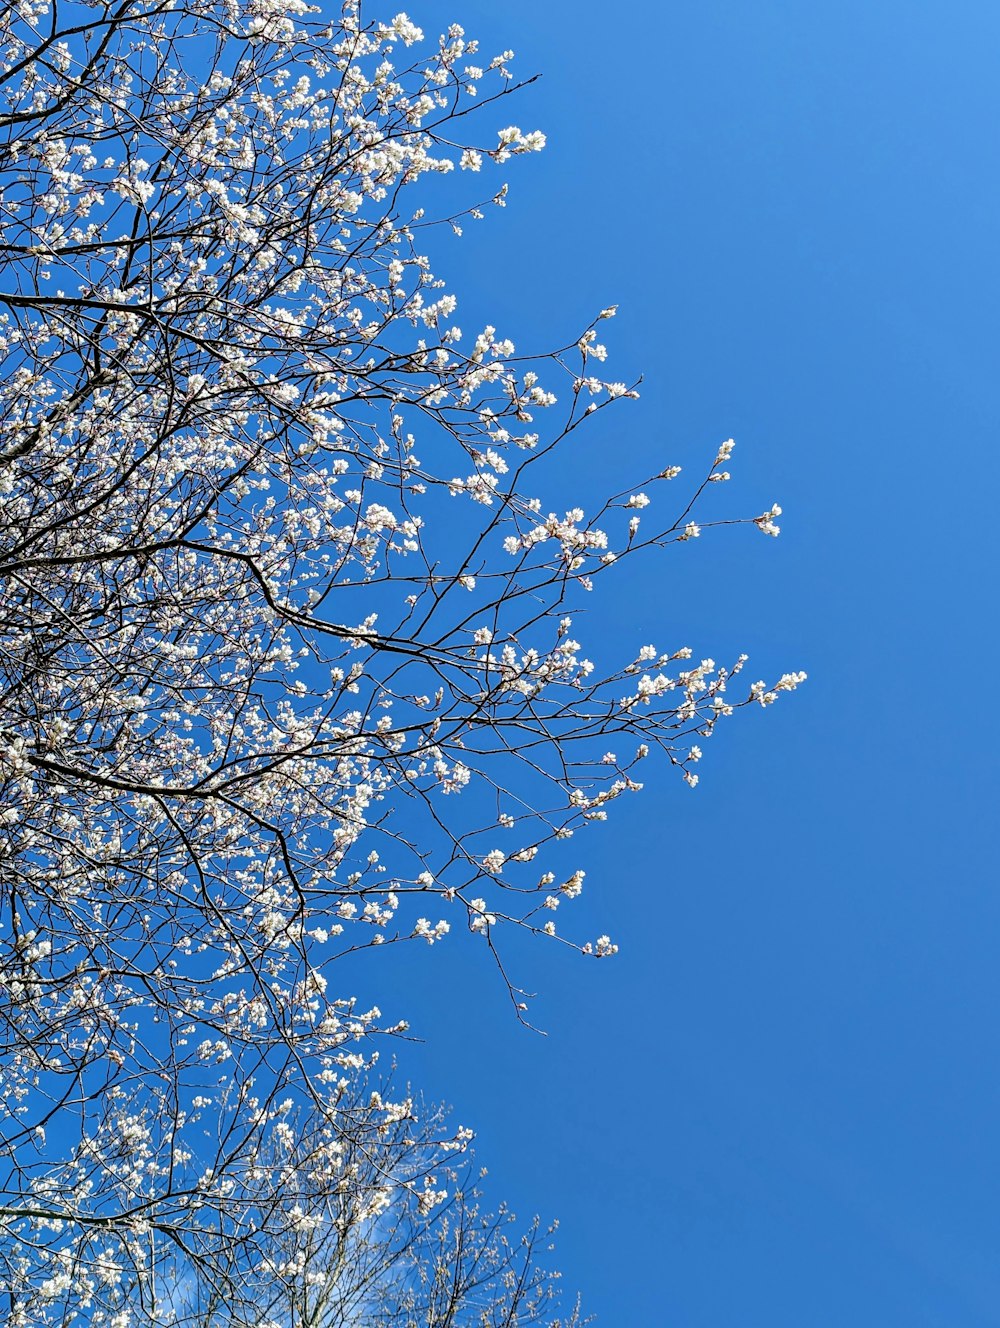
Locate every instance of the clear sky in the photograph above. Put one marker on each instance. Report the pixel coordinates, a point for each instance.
(779, 1105)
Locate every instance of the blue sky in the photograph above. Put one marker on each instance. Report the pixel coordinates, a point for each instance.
(778, 1106)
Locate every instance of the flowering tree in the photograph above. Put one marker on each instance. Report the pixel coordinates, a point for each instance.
(365, 1215)
(287, 660)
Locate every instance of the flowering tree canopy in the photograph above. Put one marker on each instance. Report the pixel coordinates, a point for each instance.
(287, 658)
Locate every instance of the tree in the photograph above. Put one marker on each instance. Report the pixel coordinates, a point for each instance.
(288, 665)
(365, 1215)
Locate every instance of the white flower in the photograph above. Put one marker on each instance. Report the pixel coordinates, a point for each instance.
(429, 933)
(765, 522)
(725, 452)
(574, 886)
(407, 32)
